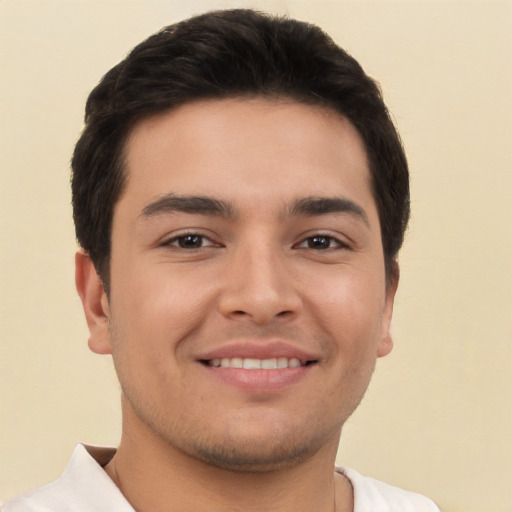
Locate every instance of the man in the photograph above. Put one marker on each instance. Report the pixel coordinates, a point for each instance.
(240, 196)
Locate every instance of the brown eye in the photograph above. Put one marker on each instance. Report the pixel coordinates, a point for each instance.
(319, 242)
(190, 241)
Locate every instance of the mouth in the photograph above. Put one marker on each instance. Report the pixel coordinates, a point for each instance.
(254, 375)
(257, 366)
(250, 363)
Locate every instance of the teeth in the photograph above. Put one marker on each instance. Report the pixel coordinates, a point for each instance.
(282, 362)
(250, 363)
(269, 364)
(236, 362)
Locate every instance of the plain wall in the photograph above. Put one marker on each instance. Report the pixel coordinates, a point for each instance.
(438, 416)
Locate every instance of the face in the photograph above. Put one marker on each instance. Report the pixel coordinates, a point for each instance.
(248, 299)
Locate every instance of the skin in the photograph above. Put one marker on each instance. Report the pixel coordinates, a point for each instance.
(255, 273)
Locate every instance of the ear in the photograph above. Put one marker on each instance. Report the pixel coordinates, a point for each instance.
(95, 303)
(386, 342)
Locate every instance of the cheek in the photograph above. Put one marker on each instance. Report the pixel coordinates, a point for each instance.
(153, 311)
(350, 309)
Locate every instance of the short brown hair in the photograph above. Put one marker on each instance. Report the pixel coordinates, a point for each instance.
(221, 54)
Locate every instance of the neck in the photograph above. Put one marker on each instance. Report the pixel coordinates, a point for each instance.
(154, 476)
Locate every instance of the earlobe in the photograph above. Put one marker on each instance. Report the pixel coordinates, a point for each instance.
(386, 342)
(385, 346)
(95, 303)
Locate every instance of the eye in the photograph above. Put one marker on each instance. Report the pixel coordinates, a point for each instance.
(190, 241)
(321, 243)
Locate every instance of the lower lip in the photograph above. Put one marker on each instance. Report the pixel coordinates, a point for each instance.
(258, 381)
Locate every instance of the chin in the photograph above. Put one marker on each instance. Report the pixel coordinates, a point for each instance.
(260, 450)
(254, 458)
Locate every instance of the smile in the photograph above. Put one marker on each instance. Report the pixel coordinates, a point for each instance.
(250, 363)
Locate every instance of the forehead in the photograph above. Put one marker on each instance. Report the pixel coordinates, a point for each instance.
(245, 150)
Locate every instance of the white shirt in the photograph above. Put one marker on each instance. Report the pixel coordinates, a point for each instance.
(85, 487)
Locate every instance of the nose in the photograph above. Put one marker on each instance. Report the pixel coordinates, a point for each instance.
(259, 287)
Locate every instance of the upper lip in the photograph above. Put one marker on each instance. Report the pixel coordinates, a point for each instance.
(259, 350)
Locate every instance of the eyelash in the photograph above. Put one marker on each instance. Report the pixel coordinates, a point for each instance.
(175, 241)
(199, 238)
(319, 236)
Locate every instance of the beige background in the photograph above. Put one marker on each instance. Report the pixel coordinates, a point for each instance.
(438, 416)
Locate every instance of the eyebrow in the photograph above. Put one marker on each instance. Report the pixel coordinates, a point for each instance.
(324, 205)
(202, 205)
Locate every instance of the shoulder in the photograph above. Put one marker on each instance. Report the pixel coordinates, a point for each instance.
(41, 499)
(372, 495)
(82, 487)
